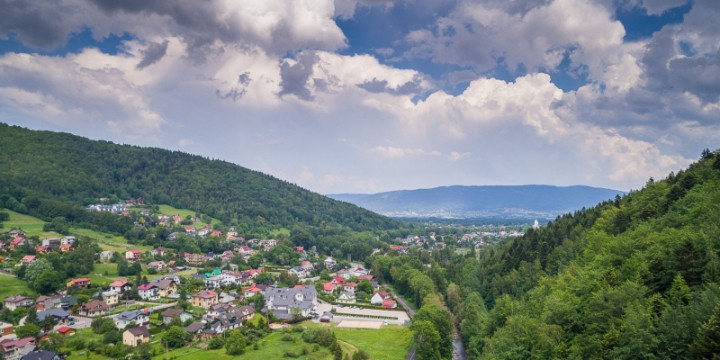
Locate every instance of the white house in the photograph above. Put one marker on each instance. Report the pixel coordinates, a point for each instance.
(330, 263)
(139, 317)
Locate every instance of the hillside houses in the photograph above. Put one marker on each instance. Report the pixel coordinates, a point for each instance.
(137, 317)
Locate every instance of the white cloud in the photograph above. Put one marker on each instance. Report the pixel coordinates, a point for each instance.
(457, 156)
(396, 152)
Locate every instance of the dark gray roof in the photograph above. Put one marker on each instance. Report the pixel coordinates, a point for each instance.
(194, 327)
(130, 315)
(140, 330)
(40, 355)
(58, 313)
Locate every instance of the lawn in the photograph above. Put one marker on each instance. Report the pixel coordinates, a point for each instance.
(271, 347)
(108, 241)
(98, 275)
(32, 226)
(390, 342)
(10, 285)
(169, 210)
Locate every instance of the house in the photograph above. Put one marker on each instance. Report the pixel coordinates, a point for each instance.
(377, 299)
(204, 299)
(16, 349)
(66, 331)
(194, 328)
(66, 247)
(160, 251)
(14, 302)
(5, 328)
(93, 308)
(307, 265)
(52, 243)
(389, 304)
(41, 355)
(136, 336)
(218, 279)
(111, 298)
(27, 259)
(138, 317)
(328, 287)
(346, 297)
(148, 292)
(330, 263)
(68, 301)
(47, 302)
(216, 233)
(281, 301)
(106, 255)
(245, 312)
(203, 232)
(133, 255)
(81, 283)
(173, 236)
(17, 242)
(58, 315)
(158, 265)
(67, 240)
(252, 291)
(351, 286)
(42, 249)
(16, 233)
(172, 313)
(338, 280)
(190, 230)
(298, 271)
(195, 259)
(165, 286)
(120, 286)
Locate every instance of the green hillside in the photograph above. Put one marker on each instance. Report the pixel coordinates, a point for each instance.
(637, 278)
(50, 174)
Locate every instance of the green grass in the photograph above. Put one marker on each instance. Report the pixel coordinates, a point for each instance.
(98, 276)
(108, 241)
(390, 342)
(32, 226)
(169, 210)
(10, 286)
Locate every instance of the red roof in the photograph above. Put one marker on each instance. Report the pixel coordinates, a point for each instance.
(365, 277)
(117, 283)
(389, 303)
(299, 286)
(135, 251)
(80, 280)
(189, 227)
(216, 233)
(299, 248)
(206, 294)
(145, 287)
(398, 247)
(64, 329)
(339, 280)
(351, 284)
(329, 286)
(17, 240)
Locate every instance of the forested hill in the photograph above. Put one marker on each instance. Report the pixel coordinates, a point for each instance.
(41, 171)
(464, 202)
(633, 278)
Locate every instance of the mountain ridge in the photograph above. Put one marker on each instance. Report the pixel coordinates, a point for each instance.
(478, 201)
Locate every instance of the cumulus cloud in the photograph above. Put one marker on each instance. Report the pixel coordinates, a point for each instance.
(153, 53)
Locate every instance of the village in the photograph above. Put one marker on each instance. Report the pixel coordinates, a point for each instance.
(206, 294)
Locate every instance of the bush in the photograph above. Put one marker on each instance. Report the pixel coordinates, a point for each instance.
(216, 343)
(288, 338)
(290, 354)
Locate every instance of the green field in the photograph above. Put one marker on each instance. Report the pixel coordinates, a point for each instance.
(108, 241)
(169, 210)
(390, 342)
(10, 286)
(271, 347)
(32, 226)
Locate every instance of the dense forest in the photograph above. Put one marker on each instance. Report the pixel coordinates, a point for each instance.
(49, 175)
(633, 278)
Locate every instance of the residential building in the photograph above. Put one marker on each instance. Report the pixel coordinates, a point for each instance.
(330, 263)
(81, 283)
(346, 297)
(14, 302)
(136, 336)
(48, 302)
(133, 255)
(281, 301)
(148, 292)
(138, 317)
(298, 271)
(16, 349)
(58, 315)
(120, 286)
(165, 286)
(27, 259)
(106, 255)
(169, 314)
(93, 308)
(41, 355)
(111, 298)
(204, 299)
(66, 331)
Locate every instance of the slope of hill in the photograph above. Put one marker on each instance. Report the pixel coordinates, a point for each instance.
(44, 173)
(638, 277)
(462, 202)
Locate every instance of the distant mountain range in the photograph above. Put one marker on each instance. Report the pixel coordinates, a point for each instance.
(465, 202)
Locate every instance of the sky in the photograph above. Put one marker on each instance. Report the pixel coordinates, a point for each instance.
(364, 96)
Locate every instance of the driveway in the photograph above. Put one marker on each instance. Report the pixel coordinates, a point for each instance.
(349, 309)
